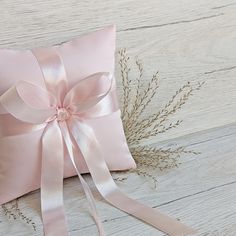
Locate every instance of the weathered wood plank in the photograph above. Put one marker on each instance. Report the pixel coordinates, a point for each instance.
(212, 212)
(200, 192)
(24, 24)
(194, 41)
(197, 51)
(184, 40)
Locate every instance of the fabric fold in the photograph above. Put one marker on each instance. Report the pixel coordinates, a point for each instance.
(62, 115)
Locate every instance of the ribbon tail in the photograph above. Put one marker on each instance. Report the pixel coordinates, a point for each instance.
(89, 146)
(69, 144)
(53, 215)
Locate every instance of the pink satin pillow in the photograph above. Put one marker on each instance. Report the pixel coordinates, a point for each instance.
(20, 156)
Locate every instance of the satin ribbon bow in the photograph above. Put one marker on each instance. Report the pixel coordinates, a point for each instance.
(62, 113)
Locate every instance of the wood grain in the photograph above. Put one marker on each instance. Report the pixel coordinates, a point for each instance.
(201, 193)
(185, 40)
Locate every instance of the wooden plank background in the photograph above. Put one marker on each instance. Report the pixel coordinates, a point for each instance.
(185, 40)
(200, 192)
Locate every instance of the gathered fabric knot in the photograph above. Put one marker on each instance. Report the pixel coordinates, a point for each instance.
(62, 114)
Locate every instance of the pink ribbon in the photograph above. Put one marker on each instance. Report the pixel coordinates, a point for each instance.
(62, 113)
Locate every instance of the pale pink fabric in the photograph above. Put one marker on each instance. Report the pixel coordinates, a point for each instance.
(20, 156)
(64, 113)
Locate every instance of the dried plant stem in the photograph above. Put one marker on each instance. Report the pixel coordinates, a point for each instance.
(8, 212)
(139, 128)
(120, 179)
(156, 158)
(143, 100)
(12, 211)
(153, 124)
(138, 81)
(164, 112)
(123, 62)
(144, 173)
(158, 129)
(137, 94)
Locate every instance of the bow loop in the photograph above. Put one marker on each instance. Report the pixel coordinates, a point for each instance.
(32, 104)
(88, 92)
(28, 103)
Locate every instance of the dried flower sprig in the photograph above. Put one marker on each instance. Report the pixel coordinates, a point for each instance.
(139, 128)
(149, 158)
(12, 211)
(123, 62)
(154, 157)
